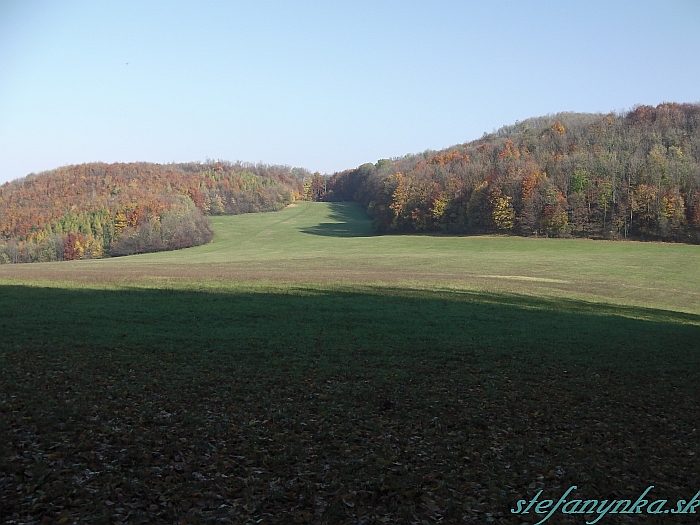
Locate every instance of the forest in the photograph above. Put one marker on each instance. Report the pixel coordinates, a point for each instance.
(96, 210)
(630, 175)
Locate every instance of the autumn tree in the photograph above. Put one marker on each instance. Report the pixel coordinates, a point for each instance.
(628, 175)
(103, 201)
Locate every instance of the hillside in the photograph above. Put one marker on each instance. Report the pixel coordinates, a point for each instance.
(298, 366)
(630, 175)
(92, 210)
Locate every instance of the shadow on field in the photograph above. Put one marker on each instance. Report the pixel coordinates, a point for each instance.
(383, 326)
(351, 221)
(171, 406)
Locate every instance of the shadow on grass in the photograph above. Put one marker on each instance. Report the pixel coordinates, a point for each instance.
(380, 328)
(389, 397)
(351, 221)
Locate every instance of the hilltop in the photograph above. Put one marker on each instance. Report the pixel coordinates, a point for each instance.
(628, 175)
(93, 210)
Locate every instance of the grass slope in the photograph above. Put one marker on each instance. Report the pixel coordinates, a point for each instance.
(299, 369)
(330, 245)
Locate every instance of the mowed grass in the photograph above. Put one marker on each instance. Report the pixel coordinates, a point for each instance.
(331, 245)
(301, 369)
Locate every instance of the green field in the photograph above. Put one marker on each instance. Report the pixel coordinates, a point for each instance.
(299, 369)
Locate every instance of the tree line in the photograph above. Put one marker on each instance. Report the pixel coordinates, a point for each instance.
(633, 175)
(96, 210)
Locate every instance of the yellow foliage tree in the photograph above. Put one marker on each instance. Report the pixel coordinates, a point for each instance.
(558, 128)
(502, 211)
(119, 222)
(439, 205)
(400, 195)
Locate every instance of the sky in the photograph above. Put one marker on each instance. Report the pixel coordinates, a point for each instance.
(324, 85)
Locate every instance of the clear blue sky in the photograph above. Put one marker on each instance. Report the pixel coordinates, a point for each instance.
(324, 85)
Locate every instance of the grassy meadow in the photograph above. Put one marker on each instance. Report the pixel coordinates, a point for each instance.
(299, 369)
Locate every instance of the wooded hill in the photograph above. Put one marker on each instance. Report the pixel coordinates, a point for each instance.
(629, 175)
(94, 210)
(632, 175)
